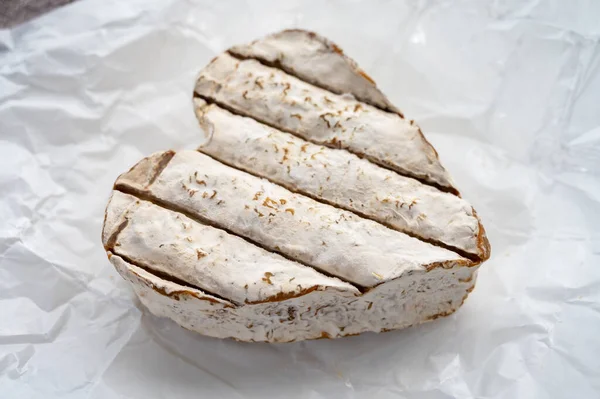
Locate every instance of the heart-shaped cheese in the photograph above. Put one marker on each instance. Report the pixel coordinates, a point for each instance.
(313, 208)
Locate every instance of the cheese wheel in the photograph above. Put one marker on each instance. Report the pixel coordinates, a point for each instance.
(312, 208)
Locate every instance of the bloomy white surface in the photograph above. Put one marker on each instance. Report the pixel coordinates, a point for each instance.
(508, 94)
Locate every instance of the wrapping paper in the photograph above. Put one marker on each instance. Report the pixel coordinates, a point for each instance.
(507, 91)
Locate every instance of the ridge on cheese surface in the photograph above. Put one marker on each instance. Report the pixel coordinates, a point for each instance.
(211, 259)
(287, 103)
(312, 209)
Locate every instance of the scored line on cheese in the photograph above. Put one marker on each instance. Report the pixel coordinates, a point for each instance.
(324, 237)
(341, 179)
(282, 101)
(181, 250)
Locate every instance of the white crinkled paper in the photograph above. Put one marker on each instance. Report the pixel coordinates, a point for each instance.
(507, 91)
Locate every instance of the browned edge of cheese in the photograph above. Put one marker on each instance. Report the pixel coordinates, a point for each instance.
(483, 244)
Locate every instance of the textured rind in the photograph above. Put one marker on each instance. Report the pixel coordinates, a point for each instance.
(289, 104)
(330, 239)
(211, 259)
(316, 60)
(400, 303)
(341, 178)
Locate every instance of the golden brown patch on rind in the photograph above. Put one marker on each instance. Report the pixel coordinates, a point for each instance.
(449, 264)
(282, 296)
(336, 49)
(370, 79)
(441, 314)
(483, 244)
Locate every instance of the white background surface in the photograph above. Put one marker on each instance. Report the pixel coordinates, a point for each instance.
(507, 91)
